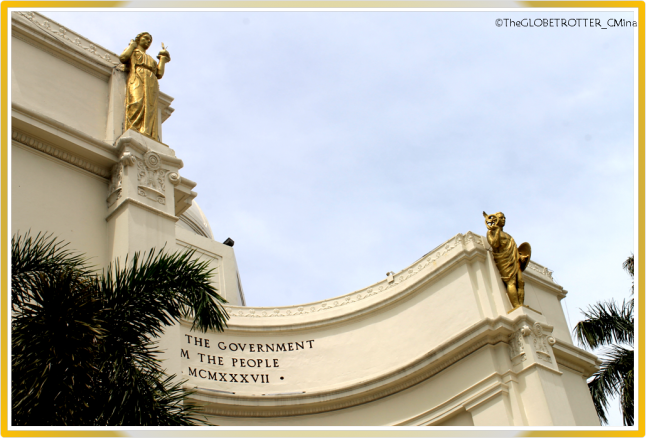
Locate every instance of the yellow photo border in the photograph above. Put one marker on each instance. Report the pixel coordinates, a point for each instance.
(425, 432)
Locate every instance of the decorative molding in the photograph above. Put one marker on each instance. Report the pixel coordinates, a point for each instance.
(48, 149)
(119, 170)
(575, 358)
(540, 269)
(517, 345)
(71, 37)
(115, 186)
(24, 119)
(187, 182)
(174, 178)
(542, 343)
(152, 161)
(151, 177)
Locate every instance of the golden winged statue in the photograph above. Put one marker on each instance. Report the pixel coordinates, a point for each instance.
(510, 260)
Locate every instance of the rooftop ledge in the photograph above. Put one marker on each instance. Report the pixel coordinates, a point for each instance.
(439, 261)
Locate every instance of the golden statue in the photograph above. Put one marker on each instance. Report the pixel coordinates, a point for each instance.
(510, 260)
(142, 86)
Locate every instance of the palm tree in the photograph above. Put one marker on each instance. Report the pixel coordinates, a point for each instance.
(83, 343)
(611, 326)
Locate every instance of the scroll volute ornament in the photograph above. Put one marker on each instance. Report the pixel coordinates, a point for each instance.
(142, 88)
(510, 260)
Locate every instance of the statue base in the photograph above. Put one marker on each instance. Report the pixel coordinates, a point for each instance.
(525, 306)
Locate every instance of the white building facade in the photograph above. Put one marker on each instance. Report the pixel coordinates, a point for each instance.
(434, 344)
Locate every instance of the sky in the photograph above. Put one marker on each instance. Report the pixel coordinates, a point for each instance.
(336, 146)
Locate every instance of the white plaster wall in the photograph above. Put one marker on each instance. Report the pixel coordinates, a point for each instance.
(545, 398)
(579, 396)
(134, 229)
(342, 355)
(221, 258)
(413, 406)
(51, 196)
(550, 305)
(55, 88)
(532, 296)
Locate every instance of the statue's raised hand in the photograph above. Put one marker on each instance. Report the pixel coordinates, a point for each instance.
(164, 53)
(490, 221)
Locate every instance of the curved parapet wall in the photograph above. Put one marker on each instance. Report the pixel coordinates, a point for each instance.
(433, 265)
(436, 343)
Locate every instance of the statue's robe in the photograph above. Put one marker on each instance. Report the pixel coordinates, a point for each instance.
(142, 91)
(507, 258)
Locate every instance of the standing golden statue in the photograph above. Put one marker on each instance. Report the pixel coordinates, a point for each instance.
(142, 86)
(510, 260)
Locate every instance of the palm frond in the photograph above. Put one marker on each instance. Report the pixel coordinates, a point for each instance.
(42, 254)
(627, 399)
(628, 265)
(155, 291)
(606, 323)
(610, 380)
(56, 337)
(83, 344)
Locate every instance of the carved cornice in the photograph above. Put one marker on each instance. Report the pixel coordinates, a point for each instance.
(576, 359)
(187, 183)
(27, 120)
(69, 37)
(60, 154)
(542, 270)
(546, 284)
(184, 196)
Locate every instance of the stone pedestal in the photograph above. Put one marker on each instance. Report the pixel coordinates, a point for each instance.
(145, 196)
(538, 378)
